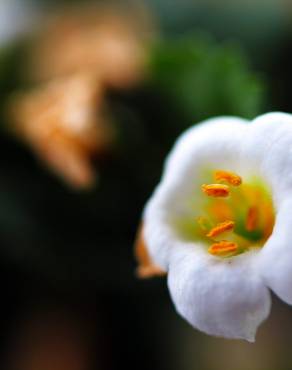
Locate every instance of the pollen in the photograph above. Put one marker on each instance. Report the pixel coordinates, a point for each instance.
(223, 248)
(229, 177)
(216, 190)
(221, 228)
(252, 219)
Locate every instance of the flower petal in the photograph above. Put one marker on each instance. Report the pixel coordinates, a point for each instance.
(268, 150)
(275, 262)
(146, 267)
(221, 297)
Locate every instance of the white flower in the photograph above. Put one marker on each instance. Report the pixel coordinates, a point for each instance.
(220, 223)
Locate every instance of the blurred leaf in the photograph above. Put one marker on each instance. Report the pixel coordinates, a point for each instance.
(205, 79)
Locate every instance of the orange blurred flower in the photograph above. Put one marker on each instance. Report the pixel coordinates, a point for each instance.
(78, 54)
(101, 40)
(64, 124)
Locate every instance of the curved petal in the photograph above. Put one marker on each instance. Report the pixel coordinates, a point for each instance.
(268, 148)
(275, 262)
(219, 297)
(215, 144)
(268, 151)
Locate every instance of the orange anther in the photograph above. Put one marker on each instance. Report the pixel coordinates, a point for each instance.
(216, 190)
(229, 177)
(252, 219)
(223, 248)
(221, 228)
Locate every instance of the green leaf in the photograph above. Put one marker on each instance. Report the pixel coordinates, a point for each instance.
(204, 79)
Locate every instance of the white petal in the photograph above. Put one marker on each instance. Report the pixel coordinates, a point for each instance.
(221, 297)
(275, 262)
(268, 148)
(268, 151)
(216, 144)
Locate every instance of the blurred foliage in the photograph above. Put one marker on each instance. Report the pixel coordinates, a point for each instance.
(9, 69)
(256, 24)
(205, 79)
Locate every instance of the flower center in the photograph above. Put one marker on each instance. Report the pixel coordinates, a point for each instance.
(236, 215)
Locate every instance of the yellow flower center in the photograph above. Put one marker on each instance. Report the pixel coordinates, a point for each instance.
(236, 215)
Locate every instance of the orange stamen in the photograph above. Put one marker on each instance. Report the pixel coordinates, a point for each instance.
(269, 219)
(223, 248)
(221, 228)
(252, 219)
(229, 177)
(216, 190)
(220, 210)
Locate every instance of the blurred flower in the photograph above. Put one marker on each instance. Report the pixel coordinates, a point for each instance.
(100, 40)
(64, 124)
(80, 52)
(211, 223)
